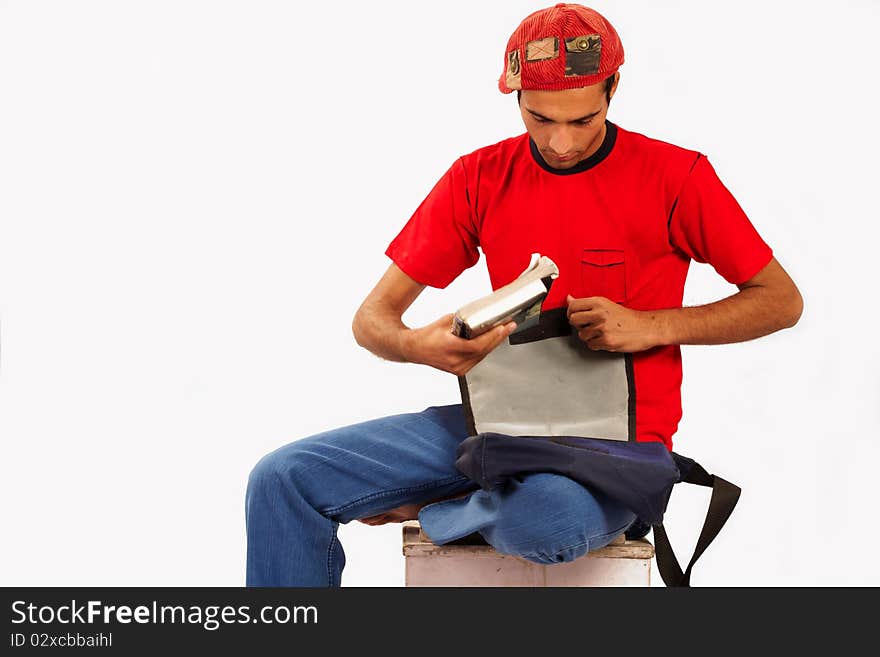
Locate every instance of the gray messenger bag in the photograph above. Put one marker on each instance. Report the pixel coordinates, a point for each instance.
(542, 401)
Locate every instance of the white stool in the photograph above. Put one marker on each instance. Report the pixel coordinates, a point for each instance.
(621, 563)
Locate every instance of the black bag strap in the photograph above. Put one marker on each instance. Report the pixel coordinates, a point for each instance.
(724, 498)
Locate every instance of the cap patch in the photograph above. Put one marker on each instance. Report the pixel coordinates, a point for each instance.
(512, 79)
(541, 49)
(582, 55)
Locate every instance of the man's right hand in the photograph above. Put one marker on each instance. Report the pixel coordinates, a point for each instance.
(437, 346)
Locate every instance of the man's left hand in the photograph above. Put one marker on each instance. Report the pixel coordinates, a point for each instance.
(608, 326)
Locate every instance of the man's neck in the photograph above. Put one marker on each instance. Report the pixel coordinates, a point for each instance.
(597, 142)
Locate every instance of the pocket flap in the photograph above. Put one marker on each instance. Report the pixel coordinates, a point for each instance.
(603, 257)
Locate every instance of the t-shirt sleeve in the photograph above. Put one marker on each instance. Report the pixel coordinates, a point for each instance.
(708, 224)
(440, 240)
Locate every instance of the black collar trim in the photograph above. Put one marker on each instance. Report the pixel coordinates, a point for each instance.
(594, 159)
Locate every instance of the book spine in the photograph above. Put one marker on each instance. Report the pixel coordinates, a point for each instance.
(460, 328)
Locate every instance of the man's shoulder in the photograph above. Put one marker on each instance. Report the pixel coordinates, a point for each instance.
(497, 153)
(655, 151)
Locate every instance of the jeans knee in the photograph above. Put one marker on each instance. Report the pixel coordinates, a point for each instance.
(262, 477)
(561, 543)
(269, 474)
(549, 551)
(540, 544)
(547, 554)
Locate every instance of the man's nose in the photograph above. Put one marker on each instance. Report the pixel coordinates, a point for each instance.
(561, 141)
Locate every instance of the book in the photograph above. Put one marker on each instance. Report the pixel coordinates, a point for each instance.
(519, 301)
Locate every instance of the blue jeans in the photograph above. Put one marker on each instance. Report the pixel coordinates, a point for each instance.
(298, 494)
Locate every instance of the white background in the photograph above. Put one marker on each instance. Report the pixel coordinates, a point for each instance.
(196, 196)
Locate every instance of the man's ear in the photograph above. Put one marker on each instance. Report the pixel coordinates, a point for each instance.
(614, 84)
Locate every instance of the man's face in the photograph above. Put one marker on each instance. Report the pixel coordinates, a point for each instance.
(568, 125)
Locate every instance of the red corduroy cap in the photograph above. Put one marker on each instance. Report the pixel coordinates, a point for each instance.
(561, 47)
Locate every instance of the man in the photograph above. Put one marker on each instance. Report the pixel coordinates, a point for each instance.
(622, 215)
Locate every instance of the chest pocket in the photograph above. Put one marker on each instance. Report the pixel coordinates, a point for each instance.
(603, 274)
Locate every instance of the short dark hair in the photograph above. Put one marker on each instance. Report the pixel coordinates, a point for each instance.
(609, 81)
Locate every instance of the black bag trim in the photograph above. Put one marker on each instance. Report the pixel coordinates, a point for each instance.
(631, 393)
(551, 324)
(466, 407)
(725, 495)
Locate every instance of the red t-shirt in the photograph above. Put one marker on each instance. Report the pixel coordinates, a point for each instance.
(623, 224)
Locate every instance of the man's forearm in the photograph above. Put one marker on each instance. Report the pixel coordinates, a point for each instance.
(750, 313)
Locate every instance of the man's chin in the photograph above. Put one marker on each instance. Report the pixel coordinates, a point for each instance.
(561, 164)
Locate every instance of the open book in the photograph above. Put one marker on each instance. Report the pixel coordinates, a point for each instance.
(519, 301)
